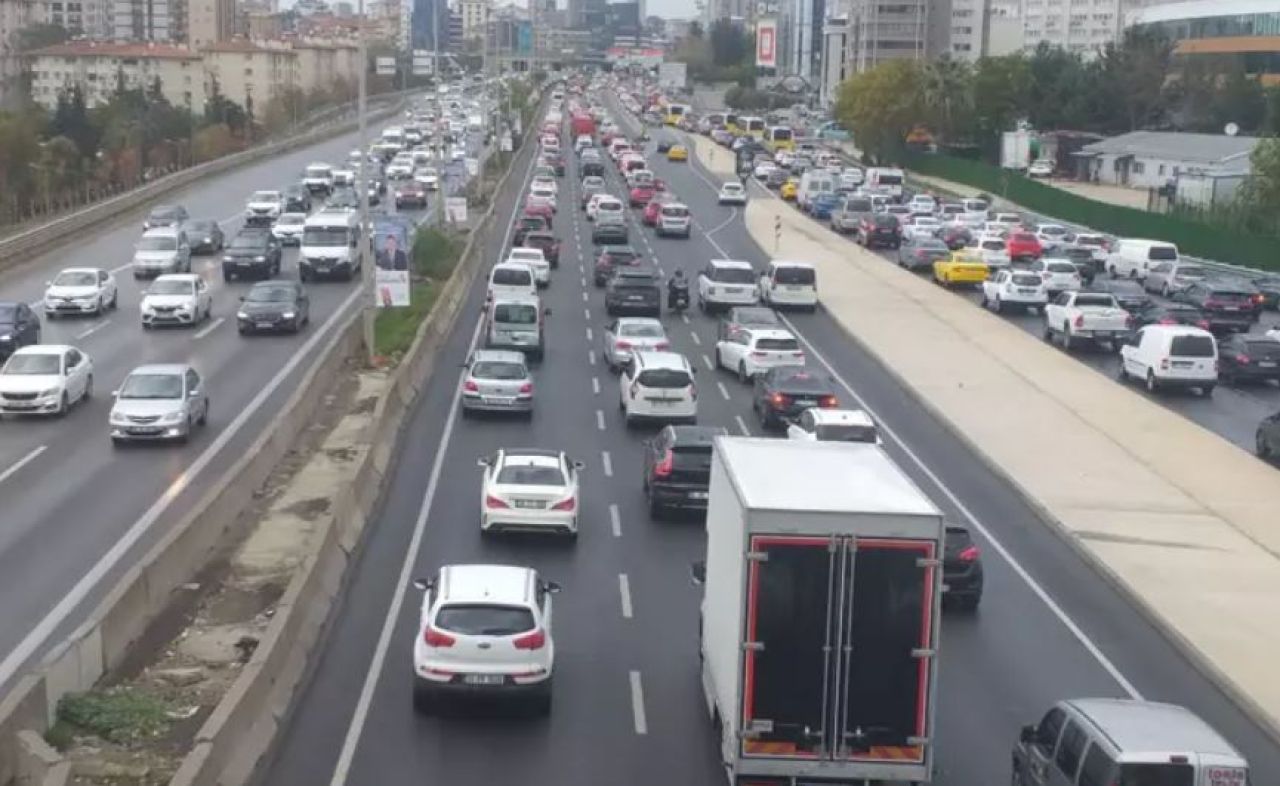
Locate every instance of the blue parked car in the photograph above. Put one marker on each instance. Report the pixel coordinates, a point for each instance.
(822, 204)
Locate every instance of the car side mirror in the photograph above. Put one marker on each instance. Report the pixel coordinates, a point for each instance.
(551, 587)
(547, 311)
(242, 298)
(48, 283)
(698, 572)
(482, 462)
(578, 465)
(424, 584)
(193, 392)
(1028, 734)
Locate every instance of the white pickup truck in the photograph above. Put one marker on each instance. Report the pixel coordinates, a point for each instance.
(1085, 316)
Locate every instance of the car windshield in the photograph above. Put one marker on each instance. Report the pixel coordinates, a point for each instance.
(516, 313)
(318, 171)
(158, 244)
(1162, 253)
(1090, 240)
(640, 330)
(483, 619)
(331, 237)
(200, 226)
(506, 276)
(275, 293)
(34, 363)
(843, 432)
(666, 378)
(1026, 279)
(992, 245)
(1191, 271)
(635, 280)
(777, 344)
(886, 221)
(290, 219)
(1192, 347)
(733, 275)
(8, 312)
(256, 240)
(170, 287)
(530, 475)
(1103, 301)
(787, 274)
(164, 214)
(76, 278)
(498, 369)
(266, 196)
(1060, 267)
(152, 386)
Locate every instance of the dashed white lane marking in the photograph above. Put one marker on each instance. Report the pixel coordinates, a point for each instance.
(90, 331)
(685, 318)
(600, 419)
(591, 356)
(706, 359)
(584, 281)
(209, 328)
(607, 460)
(22, 462)
(637, 704)
(723, 390)
(586, 312)
(589, 334)
(696, 340)
(742, 425)
(615, 521)
(595, 385)
(624, 591)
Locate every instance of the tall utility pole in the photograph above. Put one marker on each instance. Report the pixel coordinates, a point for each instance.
(362, 183)
(442, 189)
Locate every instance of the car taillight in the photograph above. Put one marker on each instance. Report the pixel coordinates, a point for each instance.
(829, 402)
(1045, 276)
(435, 638)
(491, 501)
(663, 468)
(565, 504)
(1242, 360)
(1167, 321)
(970, 554)
(1079, 322)
(1203, 324)
(623, 344)
(693, 392)
(635, 389)
(531, 641)
(758, 354)
(662, 345)
(526, 388)
(1164, 364)
(470, 386)
(778, 400)
(1259, 298)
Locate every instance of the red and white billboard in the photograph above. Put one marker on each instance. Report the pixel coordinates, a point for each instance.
(767, 43)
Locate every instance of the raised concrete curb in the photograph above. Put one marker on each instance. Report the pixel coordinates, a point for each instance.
(1172, 500)
(18, 248)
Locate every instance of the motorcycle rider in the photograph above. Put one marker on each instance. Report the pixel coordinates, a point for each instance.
(677, 288)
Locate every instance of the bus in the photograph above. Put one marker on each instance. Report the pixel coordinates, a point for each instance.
(779, 138)
(753, 126)
(674, 113)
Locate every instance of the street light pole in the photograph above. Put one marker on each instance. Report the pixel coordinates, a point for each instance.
(362, 183)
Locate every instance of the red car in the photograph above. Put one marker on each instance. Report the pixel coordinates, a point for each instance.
(547, 242)
(650, 217)
(527, 224)
(641, 194)
(544, 209)
(411, 193)
(1023, 245)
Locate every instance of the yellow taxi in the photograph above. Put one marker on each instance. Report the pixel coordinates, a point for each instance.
(789, 188)
(964, 266)
(678, 153)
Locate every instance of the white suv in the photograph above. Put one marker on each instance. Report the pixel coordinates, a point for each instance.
(727, 282)
(658, 386)
(484, 630)
(750, 352)
(674, 219)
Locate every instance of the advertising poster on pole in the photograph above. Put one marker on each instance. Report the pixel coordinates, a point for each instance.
(455, 209)
(385, 66)
(391, 257)
(767, 43)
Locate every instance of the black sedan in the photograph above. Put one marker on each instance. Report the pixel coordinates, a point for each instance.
(411, 194)
(610, 260)
(205, 236)
(272, 307)
(961, 570)
(677, 468)
(610, 233)
(252, 252)
(19, 327)
(781, 394)
(1129, 294)
(1269, 288)
(297, 199)
(955, 237)
(1244, 358)
(1167, 314)
(343, 199)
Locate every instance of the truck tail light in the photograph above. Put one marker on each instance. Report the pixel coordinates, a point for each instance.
(622, 344)
(829, 402)
(436, 638)
(531, 641)
(1079, 321)
(1164, 364)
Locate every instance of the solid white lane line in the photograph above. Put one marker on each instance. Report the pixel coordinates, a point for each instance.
(742, 426)
(90, 331)
(723, 390)
(615, 521)
(209, 328)
(22, 462)
(637, 704)
(696, 340)
(600, 419)
(733, 214)
(707, 360)
(107, 563)
(608, 463)
(591, 356)
(624, 591)
(595, 385)
(1040, 592)
(361, 714)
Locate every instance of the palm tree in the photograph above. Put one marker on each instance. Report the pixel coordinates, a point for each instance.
(947, 92)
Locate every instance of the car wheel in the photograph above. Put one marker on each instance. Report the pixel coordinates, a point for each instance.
(1048, 333)
(102, 307)
(1121, 374)
(228, 276)
(88, 389)
(999, 305)
(1260, 445)
(1068, 343)
(204, 415)
(656, 508)
(1206, 391)
(742, 373)
(64, 404)
(1152, 384)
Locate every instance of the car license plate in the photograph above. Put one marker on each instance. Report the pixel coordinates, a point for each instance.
(503, 400)
(531, 504)
(1026, 291)
(697, 495)
(482, 679)
(805, 402)
(144, 430)
(634, 298)
(19, 405)
(1266, 364)
(1230, 308)
(244, 264)
(946, 587)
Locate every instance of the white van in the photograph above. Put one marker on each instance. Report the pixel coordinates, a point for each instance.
(885, 180)
(1132, 256)
(658, 386)
(515, 322)
(1171, 356)
(812, 183)
(724, 283)
(511, 278)
(789, 285)
(329, 246)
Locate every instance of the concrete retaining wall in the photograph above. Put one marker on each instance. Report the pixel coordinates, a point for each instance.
(20, 247)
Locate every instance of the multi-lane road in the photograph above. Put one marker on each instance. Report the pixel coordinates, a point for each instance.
(74, 511)
(628, 708)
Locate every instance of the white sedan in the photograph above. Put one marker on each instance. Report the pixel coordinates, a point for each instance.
(45, 379)
(80, 290)
(529, 490)
(176, 299)
(732, 194)
(627, 335)
(834, 425)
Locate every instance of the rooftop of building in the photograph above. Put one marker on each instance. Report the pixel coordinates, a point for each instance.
(1207, 149)
(1199, 9)
(108, 49)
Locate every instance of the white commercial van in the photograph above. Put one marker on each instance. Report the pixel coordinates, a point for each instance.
(789, 285)
(885, 180)
(812, 183)
(1131, 257)
(511, 278)
(1171, 356)
(329, 245)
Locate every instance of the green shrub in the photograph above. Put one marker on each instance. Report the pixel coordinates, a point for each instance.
(120, 715)
(435, 253)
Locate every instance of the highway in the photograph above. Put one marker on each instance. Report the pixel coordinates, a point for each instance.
(76, 511)
(628, 706)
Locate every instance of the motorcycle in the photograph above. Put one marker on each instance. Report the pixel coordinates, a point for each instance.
(678, 298)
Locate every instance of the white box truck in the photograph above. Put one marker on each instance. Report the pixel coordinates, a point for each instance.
(820, 614)
(1015, 149)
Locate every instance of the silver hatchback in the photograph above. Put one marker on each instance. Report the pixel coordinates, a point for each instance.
(623, 337)
(497, 381)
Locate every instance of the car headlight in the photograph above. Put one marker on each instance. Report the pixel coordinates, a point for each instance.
(228, 259)
(172, 417)
(259, 259)
(117, 419)
(242, 315)
(49, 392)
(289, 315)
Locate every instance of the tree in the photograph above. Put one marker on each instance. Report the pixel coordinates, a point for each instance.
(1259, 195)
(695, 29)
(881, 105)
(728, 43)
(71, 120)
(220, 110)
(1058, 89)
(1239, 99)
(1133, 73)
(1000, 88)
(19, 147)
(946, 89)
(38, 36)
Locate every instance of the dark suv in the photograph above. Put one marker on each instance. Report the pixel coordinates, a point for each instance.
(880, 229)
(1248, 358)
(611, 259)
(633, 290)
(252, 252)
(19, 327)
(1225, 306)
(677, 468)
(961, 570)
(297, 199)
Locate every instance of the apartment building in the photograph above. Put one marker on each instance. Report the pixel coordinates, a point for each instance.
(96, 67)
(1081, 26)
(252, 73)
(14, 16)
(88, 18)
(475, 17)
(884, 30)
(210, 22)
(161, 21)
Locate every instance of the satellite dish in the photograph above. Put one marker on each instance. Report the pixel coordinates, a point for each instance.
(1231, 130)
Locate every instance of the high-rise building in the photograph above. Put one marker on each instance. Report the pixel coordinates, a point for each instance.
(1072, 26)
(82, 18)
(836, 39)
(475, 18)
(881, 32)
(430, 25)
(161, 21)
(800, 38)
(210, 22)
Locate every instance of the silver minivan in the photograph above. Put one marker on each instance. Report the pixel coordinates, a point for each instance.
(1120, 742)
(162, 250)
(516, 322)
